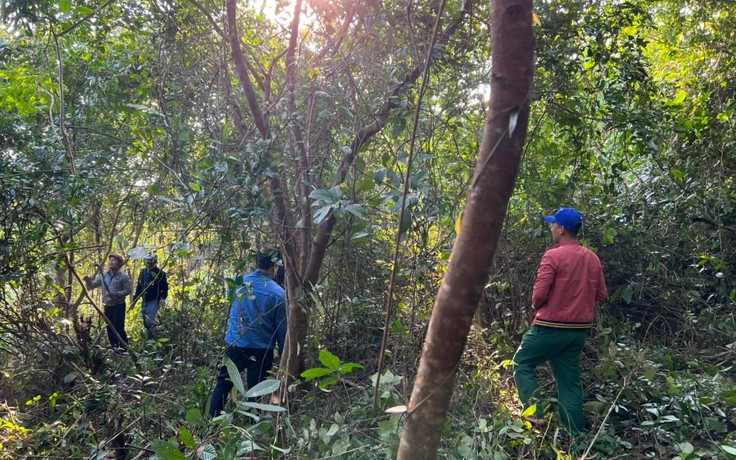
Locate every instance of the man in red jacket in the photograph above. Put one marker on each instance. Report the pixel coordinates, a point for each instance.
(569, 284)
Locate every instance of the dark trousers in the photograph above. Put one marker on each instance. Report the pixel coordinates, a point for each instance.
(116, 315)
(258, 362)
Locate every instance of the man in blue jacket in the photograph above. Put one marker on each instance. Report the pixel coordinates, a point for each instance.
(257, 324)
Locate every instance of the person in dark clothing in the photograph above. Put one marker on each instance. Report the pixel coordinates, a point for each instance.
(256, 325)
(116, 286)
(153, 288)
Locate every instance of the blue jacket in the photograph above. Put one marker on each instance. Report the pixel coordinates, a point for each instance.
(258, 313)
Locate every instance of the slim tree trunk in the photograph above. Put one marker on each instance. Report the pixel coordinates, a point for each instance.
(495, 175)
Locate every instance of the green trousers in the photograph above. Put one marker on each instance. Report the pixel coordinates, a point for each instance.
(562, 348)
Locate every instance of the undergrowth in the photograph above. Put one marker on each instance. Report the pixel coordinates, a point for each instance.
(643, 400)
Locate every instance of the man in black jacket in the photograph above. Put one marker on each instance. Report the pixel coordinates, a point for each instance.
(153, 288)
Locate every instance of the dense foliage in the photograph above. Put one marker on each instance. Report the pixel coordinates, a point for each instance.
(124, 128)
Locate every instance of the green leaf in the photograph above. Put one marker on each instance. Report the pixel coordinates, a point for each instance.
(329, 360)
(84, 10)
(194, 417)
(328, 382)
(315, 373)
(348, 367)
(465, 447)
(628, 292)
(321, 213)
(729, 397)
(232, 371)
(394, 178)
(187, 438)
(260, 406)
(610, 235)
(356, 210)
(323, 197)
(167, 451)
(595, 407)
(263, 388)
(207, 452)
(364, 185)
(65, 6)
(678, 99)
(248, 446)
(360, 236)
(729, 449)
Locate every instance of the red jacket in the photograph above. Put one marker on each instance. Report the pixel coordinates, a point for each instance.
(569, 283)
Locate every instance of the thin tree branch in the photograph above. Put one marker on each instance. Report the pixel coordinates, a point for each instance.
(405, 193)
(85, 19)
(242, 67)
(62, 117)
(321, 238)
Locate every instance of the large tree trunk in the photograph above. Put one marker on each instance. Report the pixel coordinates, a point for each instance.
(472, 256)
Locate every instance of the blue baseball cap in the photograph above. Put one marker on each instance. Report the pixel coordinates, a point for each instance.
(567, 218)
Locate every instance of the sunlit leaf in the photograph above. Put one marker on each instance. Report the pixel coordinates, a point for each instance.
(530, 411)
(348, 367)
(315, 372)
(678, 99)
(535, 19)
(329, 360)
